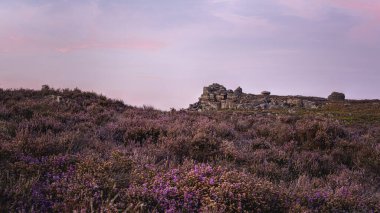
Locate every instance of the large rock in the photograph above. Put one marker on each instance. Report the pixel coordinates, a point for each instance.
(336, 96)
(238, 91)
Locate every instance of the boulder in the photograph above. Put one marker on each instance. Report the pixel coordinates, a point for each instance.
(264, 106)
(45, 87)
(336, 96)
(266, 93)
(238, 91)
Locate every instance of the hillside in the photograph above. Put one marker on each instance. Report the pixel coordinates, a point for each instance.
(65, 150)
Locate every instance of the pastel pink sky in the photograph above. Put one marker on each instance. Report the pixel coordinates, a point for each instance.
(162, 53)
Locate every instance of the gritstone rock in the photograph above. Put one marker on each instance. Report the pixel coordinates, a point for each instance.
(336, 96)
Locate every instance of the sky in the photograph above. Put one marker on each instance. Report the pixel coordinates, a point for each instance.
(162, 53)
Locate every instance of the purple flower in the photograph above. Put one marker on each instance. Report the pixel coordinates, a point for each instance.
(175, 179)
(211, 181)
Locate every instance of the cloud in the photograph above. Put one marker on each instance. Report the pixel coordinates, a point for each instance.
(242, 21)
(137, 44)
(64, 27)
(368, 8)
(17, 42)
(303, 8)
(229, 12)
(366, 13)
(20, 43)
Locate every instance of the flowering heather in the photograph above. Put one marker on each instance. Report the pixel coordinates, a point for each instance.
(84, 152)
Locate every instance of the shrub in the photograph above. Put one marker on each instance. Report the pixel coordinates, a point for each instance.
(203, 147)
(318, 134)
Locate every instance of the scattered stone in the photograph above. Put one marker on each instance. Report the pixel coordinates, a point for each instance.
(309, 104)
(266, 93)
(294, 102)
(264, 106)
(56, 98)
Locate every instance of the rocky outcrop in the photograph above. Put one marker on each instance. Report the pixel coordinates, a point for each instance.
(217, 97)
(336, 96)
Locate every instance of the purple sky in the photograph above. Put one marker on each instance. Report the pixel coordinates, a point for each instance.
(162, 53)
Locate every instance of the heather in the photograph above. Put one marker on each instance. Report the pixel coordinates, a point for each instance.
(65, 150)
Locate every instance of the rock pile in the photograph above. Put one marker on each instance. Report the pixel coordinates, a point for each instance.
(217, 97)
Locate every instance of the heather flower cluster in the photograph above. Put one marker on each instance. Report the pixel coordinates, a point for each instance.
(201, 187)
(89, 153)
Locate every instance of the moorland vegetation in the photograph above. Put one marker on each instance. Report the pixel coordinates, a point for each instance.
(65, 150)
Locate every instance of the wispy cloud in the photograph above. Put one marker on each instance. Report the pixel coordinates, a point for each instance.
(367, 29)
(20, 43)
(140, 44)
(242, 21)
(303, 8)
(366, 12)
(229, 12)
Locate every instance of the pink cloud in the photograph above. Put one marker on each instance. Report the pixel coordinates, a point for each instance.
(303, 8)
(15, 42)
(369, 11)
(313, 9)
(19, 43)
(365, 7)
(137, 44)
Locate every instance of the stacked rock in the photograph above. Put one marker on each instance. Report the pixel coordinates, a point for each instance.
(217, 97)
